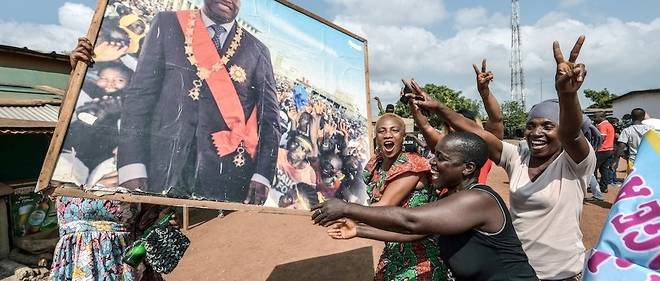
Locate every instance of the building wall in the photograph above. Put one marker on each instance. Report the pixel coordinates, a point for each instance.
(21, 68)
(650, 102)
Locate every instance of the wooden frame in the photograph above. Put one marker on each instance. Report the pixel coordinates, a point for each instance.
(67, 109)
(69, 102)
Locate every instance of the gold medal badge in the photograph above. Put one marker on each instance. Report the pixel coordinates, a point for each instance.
(237, 73)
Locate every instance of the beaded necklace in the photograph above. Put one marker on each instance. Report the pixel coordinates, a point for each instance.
(202, 72)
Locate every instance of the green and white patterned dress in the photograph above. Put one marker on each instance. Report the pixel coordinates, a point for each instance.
(411, 261)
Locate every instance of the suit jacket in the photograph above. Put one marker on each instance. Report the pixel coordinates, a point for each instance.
(163, 128)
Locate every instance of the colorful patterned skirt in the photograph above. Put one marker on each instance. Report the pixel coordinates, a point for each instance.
(91, 250)
(93, 236)
(412, 261)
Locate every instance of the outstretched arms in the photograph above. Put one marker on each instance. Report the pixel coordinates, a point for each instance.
(347, 229)
(453, 215)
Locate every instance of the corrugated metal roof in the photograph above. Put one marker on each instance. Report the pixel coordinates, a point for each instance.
(649, 91)
(25, 131)
(46, 113)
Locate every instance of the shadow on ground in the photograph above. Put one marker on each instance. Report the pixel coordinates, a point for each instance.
(350, 265)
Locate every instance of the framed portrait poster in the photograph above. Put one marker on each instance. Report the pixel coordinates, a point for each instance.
(254, 102)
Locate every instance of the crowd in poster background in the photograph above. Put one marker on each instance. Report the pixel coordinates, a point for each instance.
(328, 137)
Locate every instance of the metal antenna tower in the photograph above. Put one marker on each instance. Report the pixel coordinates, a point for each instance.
(517, 74)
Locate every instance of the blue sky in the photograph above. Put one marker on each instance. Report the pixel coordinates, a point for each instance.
(436, 41)
(302, 47)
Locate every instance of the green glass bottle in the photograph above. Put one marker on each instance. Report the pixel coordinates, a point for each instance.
(136, 254)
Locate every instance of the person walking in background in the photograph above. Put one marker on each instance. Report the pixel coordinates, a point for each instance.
(614, 165)
(592, 134)
(605, 154)
(631, 137)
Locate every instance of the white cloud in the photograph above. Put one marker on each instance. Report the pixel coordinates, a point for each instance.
(387, 91)
(619, 55)
(74, 20)
(478, 16)
(75, 16)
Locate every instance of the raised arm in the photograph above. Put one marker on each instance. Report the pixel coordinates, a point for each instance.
(453, 215)
(381, 111)
(315, 128)
(431, 135)
(457, 121)
(495, 123)
(568, 79)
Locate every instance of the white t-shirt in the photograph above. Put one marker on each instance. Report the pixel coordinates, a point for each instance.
(546, 213)
(632, 136)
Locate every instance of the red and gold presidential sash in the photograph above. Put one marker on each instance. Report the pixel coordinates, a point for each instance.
(202, 53)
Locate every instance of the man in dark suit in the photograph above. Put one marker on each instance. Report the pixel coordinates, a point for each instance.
(199, 117)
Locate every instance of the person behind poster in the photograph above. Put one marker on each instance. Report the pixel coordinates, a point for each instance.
(198, 114)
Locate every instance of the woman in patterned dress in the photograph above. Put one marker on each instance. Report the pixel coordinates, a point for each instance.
(94, 233)
(93, 236)
(397, 178)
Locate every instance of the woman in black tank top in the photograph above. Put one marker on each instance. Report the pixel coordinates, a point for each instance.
(471, 223)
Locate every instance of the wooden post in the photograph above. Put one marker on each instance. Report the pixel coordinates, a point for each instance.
(4, 229)
(186, 218)
(370, 129)
(68, 104)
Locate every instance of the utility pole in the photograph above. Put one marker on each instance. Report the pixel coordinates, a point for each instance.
(517, 73)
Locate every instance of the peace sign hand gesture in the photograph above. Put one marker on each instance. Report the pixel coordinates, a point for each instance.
(483, 77)
(422, 99)
(570, 75)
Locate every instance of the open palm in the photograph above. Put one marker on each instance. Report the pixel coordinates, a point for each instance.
(342, 229)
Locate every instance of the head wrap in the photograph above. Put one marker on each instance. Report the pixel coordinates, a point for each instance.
(548, 109)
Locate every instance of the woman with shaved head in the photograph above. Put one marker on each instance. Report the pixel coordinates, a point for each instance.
(472, 228)
(398, 178)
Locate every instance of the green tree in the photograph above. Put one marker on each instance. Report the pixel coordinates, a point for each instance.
(600, 99)
(453, 99)
(515, 118)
